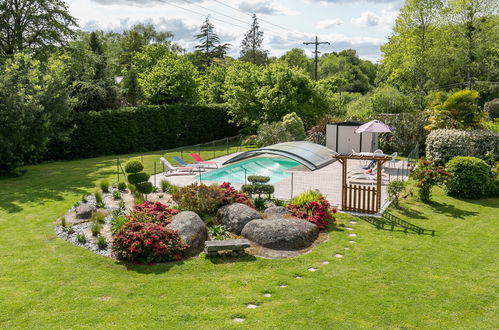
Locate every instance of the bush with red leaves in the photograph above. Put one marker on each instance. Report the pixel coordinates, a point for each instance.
(234, 196)
(153, 212)
(317, 212)
(147, 243)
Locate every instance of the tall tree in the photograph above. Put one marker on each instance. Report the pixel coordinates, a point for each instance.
(251, 46)
(470, 23)
(33, 25)
(411, 48)
(209, 47)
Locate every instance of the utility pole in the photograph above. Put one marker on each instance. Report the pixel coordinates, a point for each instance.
(316, 43)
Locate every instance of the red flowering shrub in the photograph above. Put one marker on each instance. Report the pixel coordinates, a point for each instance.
(153, 212)
(231, 195)
(318, 212)
(427, 175)
(147, 243)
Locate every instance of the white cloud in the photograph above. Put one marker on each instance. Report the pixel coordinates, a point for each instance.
(329, 23)
(369, 18)
(265, 7)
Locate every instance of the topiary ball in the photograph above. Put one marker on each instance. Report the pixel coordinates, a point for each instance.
(133, 166)
(138, 177)
(144, 187)
(470, 177)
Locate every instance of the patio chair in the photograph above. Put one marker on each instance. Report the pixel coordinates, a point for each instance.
(206, 164)
(181, 170)
(183, 163)
(393, 161)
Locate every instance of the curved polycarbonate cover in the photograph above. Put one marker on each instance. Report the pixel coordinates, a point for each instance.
(312, 155)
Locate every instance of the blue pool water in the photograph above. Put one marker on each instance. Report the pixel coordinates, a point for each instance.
(272, 167)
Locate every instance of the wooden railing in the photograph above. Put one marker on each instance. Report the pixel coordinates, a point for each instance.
(361, 199)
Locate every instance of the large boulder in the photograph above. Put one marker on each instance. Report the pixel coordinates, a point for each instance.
(281, 234)
(276, 212)
(236, 216)
(191, 229)
(84, 211)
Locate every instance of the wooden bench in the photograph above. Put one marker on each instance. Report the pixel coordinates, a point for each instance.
(211, 248)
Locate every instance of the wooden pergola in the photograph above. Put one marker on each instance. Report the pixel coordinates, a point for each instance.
(361, 198)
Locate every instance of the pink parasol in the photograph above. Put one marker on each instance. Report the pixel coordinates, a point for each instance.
(374, 126)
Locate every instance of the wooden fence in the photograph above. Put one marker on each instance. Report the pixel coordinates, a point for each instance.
(361, 199)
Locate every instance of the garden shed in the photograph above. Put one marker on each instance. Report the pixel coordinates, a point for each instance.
(342, 138)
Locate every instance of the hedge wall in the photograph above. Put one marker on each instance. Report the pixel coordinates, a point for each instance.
(145, 128)
(445, 144)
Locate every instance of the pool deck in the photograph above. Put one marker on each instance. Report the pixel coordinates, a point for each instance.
(327, 180)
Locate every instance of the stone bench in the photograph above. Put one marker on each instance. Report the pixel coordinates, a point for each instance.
(211, 248)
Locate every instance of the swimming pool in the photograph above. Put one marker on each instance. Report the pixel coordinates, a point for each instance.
(272, 167)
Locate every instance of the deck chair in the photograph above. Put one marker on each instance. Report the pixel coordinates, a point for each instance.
(172, 170)
(206, 164)
(183, 163)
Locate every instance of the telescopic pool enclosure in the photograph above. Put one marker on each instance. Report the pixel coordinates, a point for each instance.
(311, 155)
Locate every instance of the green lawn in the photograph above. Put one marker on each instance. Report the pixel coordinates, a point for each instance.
(387, 279)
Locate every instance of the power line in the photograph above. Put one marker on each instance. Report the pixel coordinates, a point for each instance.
(204, 15)
(212, 10)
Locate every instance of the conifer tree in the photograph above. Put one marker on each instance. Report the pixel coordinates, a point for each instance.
(251, 46)
(209, 47)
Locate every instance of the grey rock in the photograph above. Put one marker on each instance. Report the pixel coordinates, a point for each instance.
(191, 229)
(281, 234)
(277, 212)
(84, 211)
(236, 216)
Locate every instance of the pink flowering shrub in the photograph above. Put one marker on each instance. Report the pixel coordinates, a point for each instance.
(147, 243)
(231, 195)
(318, 212)
(153, 212)
(428, 175)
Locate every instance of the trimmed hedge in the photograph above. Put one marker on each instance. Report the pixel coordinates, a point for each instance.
(445, 144)
(140, 129)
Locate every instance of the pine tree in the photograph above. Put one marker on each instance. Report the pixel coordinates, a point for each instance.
(100, 60)
(210, 47)
(251, 46)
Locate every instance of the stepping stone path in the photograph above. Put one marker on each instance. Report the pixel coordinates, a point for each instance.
(351, 242)
(312, 269)
(337, 255)
(267, 295)
(325, 262)
(352, 235)
(348, 228)
(238, 319)
(251, 306)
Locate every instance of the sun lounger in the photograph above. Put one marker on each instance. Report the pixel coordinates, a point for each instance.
(181, 170)
(183, 163)
(207, 164)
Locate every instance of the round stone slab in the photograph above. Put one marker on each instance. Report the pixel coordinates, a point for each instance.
(238, 319)
(251, 306)
(312, 269)
(352, 222)
(351, 242)
(267, 295)
(348, 228)
(297, 277)
(283, 286)
(352, 235)
(337, 255)
(325, 262)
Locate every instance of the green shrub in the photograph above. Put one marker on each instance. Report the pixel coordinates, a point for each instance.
(218, 232)
(492, 108)
(98, 217)
(63, 222)
(395, 188)
(104, 185)
(306, 197)
(272, 133)
(471, 177)
(84, 199)
(101, 242)
(258, 189)
(279, 202)
(98, 197)
(258, 179)
(95, 228)
(259, 203)
(138, 177)
(117, 223)
(145, 187)
(167, 187)
(133, 166)
(69, 229)
(121, 186)
(81, 238)
(445, 144)
(144, 128)
(294, 125)
(116, 194)
(409, 131)
(427, 175)
(200, 198)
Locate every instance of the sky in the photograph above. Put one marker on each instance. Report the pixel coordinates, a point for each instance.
(362, 25)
